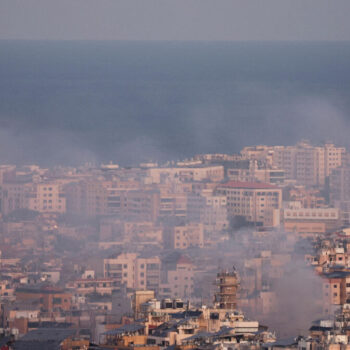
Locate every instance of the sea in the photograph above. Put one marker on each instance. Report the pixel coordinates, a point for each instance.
(75, 102)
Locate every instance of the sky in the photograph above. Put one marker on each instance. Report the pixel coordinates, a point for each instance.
(175, 20)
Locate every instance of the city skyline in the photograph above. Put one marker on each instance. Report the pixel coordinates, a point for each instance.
(174, 174)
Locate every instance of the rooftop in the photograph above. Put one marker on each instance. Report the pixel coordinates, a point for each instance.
(248, 185)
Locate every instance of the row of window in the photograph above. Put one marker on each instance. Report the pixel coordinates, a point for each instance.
(307, 214)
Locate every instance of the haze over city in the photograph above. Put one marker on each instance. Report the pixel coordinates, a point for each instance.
(174, 174)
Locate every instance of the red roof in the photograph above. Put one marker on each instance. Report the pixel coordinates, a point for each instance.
(184, 260)
(249, 185)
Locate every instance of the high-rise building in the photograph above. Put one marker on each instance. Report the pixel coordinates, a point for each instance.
(308, 165)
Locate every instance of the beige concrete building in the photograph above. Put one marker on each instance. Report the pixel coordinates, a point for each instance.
(84, 286)
(147, 273)
(259, 152)
(185, 236)
(254, 201)
(213, 173)
(310, 220)
(339, 185)
(177, 281)
(120, 230)
(14, 196)
(173, 204)
(308, 165)
(121, 268)
(140, 297)
(47, 197)
(251, 170)
(334, 157)
(142, 205)
(87, 197)
(303, 163)
(214, 214)
(308, 197)
(134, 271)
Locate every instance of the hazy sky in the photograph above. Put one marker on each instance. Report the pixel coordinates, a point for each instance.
(175, 19)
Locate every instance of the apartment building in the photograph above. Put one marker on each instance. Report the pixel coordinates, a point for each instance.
(309, 198)
(250, 170)
(134, 271)
(310, 220)
(121, 268)
(173, 205)
(339, 191)
(308, 165)
(184, 236)
(142, 205)
(14, 196)
(48, 298)
(213, 173)
(335, 290)
(47, 197)
(85, 286)
(87, 198)
(334, 157)
(259, 152)
(254, 201)
(339, 185)
(147, 273)
(177, 277)
(303, 163)
(114, 229)
(214, 214)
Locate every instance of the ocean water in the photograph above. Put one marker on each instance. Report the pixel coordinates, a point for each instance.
(72, 102)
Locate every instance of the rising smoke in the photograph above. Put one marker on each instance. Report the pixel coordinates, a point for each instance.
(292, 290)
(178, 100)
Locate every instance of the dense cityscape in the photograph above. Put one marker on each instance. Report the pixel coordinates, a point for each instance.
(229, 251)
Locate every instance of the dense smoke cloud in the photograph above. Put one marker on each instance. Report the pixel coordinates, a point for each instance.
(299, 300)
(297, 289)
(131, 102)
(46, 147)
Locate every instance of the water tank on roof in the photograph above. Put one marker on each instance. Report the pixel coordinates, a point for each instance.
(178, 304)
(167, 304)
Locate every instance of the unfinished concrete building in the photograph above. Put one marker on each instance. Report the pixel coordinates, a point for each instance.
(227, 283)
